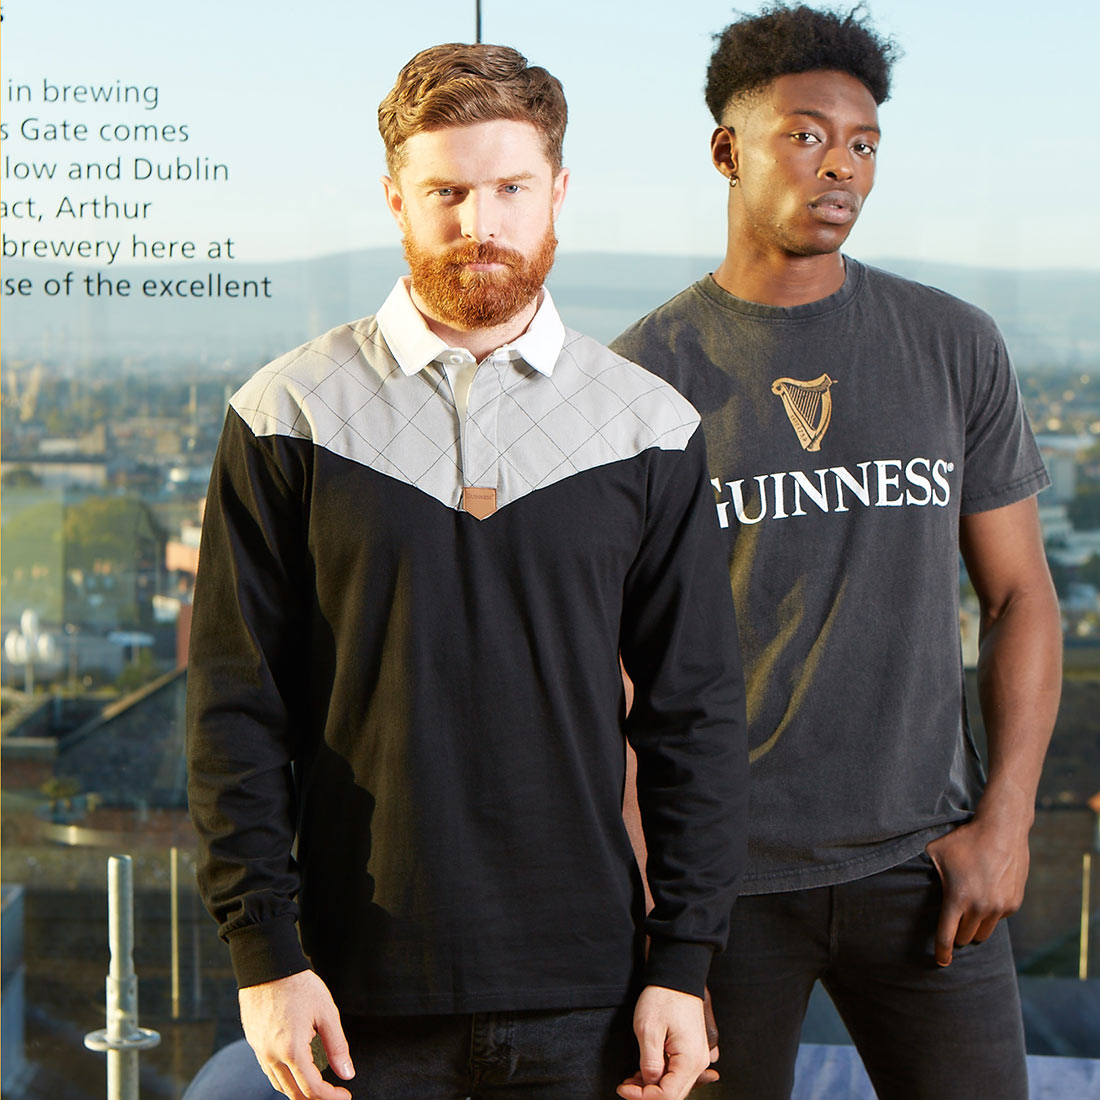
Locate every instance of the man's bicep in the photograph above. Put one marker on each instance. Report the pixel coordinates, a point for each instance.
(246, 628)
(1004, 555)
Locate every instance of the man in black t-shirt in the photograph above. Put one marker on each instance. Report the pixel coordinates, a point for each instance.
(861, 429)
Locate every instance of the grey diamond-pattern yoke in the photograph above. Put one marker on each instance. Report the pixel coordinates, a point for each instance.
(523, 430)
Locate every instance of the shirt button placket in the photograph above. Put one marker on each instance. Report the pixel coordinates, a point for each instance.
(454, 360)
(481, 456)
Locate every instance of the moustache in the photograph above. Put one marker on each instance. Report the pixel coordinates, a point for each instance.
(484, 253)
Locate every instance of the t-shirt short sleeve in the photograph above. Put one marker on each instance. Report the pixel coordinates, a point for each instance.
(1003, 464)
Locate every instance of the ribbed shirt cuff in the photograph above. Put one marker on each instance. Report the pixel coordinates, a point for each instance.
(265, 952)
(675, 964)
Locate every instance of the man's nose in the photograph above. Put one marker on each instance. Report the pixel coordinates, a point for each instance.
(478, 222)
(836, 164)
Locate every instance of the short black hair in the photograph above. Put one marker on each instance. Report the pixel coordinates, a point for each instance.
(781, 40)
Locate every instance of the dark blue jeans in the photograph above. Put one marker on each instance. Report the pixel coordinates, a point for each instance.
(923, 1032)
(581, 1054)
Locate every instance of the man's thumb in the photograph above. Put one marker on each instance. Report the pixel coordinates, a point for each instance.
(336, 1045)
(652, 1060)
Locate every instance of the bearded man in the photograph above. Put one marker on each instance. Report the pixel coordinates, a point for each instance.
(429, 535)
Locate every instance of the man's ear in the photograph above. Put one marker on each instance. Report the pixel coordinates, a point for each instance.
(723, 150)
(394, 201)
(557, 193)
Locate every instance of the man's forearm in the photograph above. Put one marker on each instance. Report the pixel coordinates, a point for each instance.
(1020, 650)
(983, 864)
(1019, 686)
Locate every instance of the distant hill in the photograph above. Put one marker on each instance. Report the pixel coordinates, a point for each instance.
(1049, 318)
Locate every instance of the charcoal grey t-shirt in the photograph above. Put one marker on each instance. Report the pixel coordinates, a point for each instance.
(845, 438)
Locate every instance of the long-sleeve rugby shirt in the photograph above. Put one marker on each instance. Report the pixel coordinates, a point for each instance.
(420, 683)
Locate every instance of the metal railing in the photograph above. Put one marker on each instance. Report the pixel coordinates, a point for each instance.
(122, 1040)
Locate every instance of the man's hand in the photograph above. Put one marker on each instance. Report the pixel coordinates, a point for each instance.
(672, 1044)
(983, 869)
(280, 1019)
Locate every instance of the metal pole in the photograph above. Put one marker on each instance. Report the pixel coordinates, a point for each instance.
(122, 1039)
(477, 28)
(1086, 877)
(173, 886)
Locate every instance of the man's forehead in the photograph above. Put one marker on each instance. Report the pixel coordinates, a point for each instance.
(501, 149)
(869, 123)
(493, 133)
(822, 91)
(821, 94)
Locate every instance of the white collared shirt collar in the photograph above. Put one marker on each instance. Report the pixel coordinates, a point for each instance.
(414, 345)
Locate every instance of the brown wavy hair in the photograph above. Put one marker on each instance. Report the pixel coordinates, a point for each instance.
(458, 85)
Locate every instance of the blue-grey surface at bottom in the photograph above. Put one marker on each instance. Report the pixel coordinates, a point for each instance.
(823, 1072)
(828, 1072)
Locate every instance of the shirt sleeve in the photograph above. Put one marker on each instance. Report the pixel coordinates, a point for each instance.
(1003, 464)
(687, 723)
(244, 695)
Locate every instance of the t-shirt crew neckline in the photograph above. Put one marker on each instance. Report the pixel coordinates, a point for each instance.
(853, 279)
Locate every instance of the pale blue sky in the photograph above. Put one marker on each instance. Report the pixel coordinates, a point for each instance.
(990, 153)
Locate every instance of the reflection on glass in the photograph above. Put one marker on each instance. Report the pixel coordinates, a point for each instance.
(103, 486)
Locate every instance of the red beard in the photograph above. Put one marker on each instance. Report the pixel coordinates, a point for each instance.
(467, 299)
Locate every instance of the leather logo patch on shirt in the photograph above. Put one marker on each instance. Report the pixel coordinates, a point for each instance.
(480, 503)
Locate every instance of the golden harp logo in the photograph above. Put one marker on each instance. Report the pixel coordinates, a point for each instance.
(809, 406)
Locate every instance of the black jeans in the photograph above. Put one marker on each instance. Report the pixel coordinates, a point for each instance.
(923, 1032)
(581, 1054)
